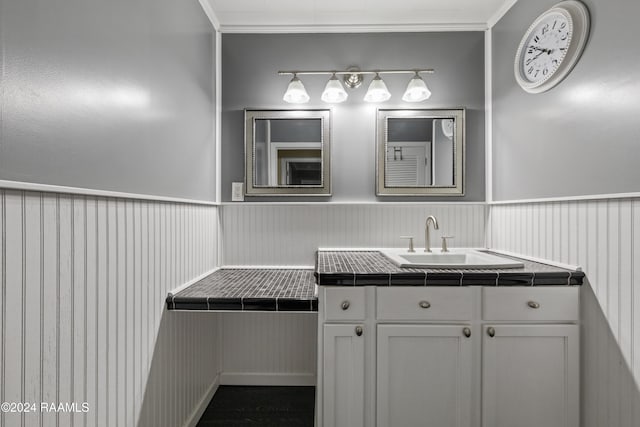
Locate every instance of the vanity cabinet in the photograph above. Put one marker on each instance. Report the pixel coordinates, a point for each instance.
(530, 376)
(530, 357)
(423, 375)
(424, 356)
(448, 356)
(343, 366)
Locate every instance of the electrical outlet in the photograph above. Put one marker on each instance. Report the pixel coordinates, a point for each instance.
(237, 191)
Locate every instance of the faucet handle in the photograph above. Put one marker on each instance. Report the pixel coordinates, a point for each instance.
(444, 243)
(410, 238)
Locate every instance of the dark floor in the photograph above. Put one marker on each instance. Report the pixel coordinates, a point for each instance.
(260, 406)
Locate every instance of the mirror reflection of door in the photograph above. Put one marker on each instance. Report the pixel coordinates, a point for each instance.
(408, 164)
(299, 167)
(419, 152)
(288, 152)
(443, 152)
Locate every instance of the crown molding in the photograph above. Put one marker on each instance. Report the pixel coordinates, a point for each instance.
(502, 10)
(208, 10)
(364, 28)
(354, 28)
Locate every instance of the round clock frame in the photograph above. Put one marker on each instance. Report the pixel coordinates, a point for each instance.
(546, 54)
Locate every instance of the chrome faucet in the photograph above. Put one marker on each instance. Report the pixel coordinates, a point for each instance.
(427, 243)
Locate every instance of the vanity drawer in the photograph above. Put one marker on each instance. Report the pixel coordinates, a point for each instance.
(530, 304)
(344, 303)
(424, 303)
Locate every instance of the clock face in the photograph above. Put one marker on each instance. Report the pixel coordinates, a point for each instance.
(546, 47)
(551, 47)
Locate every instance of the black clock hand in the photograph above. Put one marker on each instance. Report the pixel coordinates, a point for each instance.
(543, 50)
(536, 57)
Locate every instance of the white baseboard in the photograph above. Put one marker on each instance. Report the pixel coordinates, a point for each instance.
(277, 379)
(192, 421)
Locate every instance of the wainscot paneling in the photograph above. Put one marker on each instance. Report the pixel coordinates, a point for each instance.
(82, 317)
(289, 234)
(269, 348)
(185, 371)
(603, 237)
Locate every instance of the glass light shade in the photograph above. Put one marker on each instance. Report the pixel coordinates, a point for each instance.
(377, 91)
(296, 93)
(417, 90)
(333, 91)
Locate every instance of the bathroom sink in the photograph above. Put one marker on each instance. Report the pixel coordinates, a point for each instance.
(458, 258)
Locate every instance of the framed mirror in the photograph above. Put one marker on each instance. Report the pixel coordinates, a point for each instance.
(287, 152)
(420, 152)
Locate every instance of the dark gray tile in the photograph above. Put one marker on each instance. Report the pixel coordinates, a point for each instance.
(515, 279)
(225, 304)
(479, 279)
(227, 289)
(259, 304)
(260, 406)
(340, 267)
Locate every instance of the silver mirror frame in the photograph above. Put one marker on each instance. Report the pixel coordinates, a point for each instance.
(459, 152)
(250, 116)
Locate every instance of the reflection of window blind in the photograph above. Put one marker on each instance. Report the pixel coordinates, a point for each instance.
(400, 173)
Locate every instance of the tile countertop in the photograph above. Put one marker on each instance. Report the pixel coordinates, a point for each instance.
(362, 268)
(250, 289)
(286, 289)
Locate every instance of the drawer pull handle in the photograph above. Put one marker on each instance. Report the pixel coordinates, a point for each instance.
(359, 331)
(424, 304)
(533, 304)
(466, 332)
(345, 305)
(491, 331)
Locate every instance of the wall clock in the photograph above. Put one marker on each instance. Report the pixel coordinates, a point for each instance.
(551, 47)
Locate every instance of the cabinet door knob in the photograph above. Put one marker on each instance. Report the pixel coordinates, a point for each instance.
(533, 304)
(424, 304)
(491, 331)
(359, 331)
(466, 332)
(345, 305)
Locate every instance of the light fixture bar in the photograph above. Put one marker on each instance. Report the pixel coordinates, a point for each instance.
(349, 72)
(353, 77)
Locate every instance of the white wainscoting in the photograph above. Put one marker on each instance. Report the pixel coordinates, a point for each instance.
(83, 282)
(602, 236)
(289, 234)
(185, 371)
(269, 348)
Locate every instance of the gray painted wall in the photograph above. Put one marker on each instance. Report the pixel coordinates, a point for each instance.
(582, 137)
(112, 95)
(250, 63)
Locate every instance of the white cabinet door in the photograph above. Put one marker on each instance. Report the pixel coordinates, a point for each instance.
(530, 376)
(423, 376)
(343, 376)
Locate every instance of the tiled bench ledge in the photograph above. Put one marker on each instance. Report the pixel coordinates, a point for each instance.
(250, 289)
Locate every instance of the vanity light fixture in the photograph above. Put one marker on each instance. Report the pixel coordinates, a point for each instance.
(296, 93)
(333, 91)
(417, 90)
(377, 91)
(353, 77)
